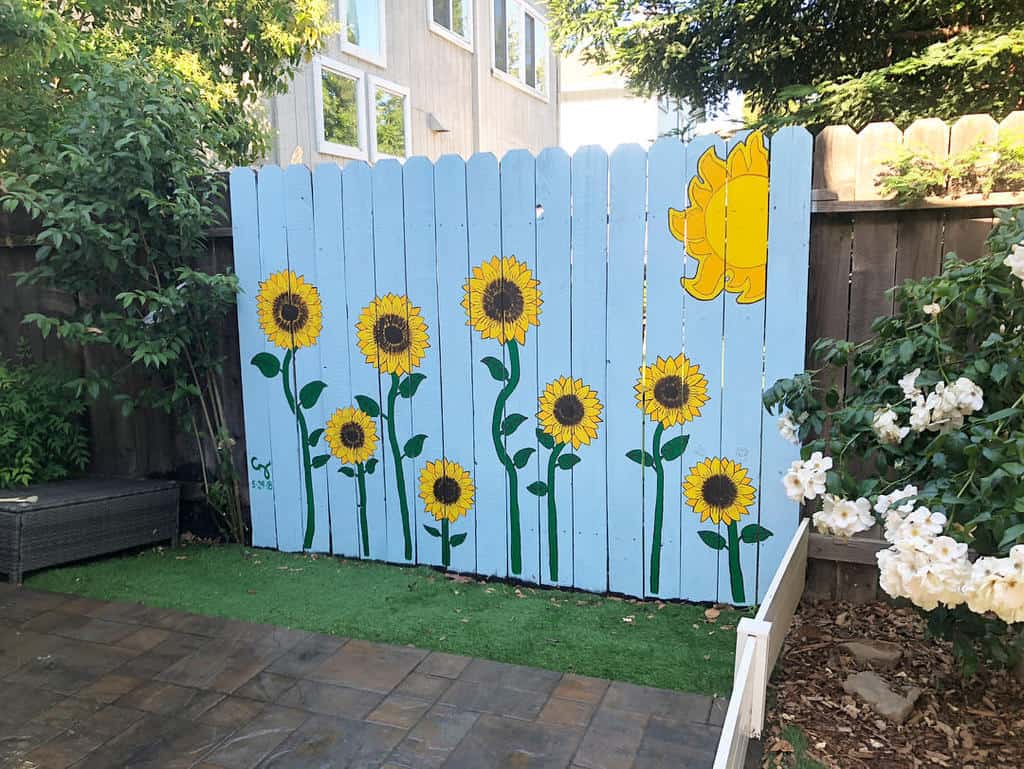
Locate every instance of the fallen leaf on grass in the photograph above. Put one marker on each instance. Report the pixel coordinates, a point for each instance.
(629, 619)
(711, 615)
(781, 746)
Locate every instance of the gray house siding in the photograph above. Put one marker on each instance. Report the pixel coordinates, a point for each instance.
(480, 111)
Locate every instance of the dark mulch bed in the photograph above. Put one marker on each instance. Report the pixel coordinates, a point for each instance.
(972, 724)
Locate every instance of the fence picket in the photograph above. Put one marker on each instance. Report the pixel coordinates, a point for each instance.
(357, 227)
(456, 343)
(554, 345)
(623, 422)
(484, 225)
(334, 350)
(589, 307)
(289, 496)
(256, 389)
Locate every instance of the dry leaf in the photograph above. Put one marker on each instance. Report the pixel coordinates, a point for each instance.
(711, 614)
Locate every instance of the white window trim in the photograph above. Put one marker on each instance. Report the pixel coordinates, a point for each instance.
(450, 35)
(372, 84)
(325, 147)
(379, 58)
(512, 80)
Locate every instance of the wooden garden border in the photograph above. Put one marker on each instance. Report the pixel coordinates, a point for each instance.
(758, 645)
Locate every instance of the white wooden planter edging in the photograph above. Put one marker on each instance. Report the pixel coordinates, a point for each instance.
(758, 645)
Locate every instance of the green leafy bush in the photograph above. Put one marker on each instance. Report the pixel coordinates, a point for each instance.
(962, 330)
(42, 435)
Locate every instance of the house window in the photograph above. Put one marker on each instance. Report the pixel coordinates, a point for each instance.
(391, 114)
(340, 109)
(363, 29)
(521, 45)
(452, 19)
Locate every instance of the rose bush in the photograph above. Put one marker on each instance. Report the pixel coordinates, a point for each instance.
(922, 426)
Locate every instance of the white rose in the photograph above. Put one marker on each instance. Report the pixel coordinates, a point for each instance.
(789, 429)
(907, 383)
(844, 517)
(1015, 261)
(969, 397)
(886, 427)
(920, 415)
(932, 309)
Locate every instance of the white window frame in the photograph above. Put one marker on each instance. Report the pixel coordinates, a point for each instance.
(501, 74)
(379, 58)
(323, 145)
(372, 84)
(449, 34)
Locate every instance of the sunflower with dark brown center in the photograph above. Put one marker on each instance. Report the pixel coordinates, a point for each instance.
(289, 310)
(719, 490)
(569, 411)
(671, 390)
(502, 299)
(446, 489)
(392, 334)
(351, 435)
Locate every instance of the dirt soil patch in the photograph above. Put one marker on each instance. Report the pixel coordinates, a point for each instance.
(972, 724)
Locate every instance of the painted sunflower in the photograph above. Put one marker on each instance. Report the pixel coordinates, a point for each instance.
(569, 411)
(446, 489)
(502, 299)
(719, 490)
(392, 334)
(289, 310)
(671, 390)
(352, 435)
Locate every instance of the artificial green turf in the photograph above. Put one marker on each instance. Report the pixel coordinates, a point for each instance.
(660, 644)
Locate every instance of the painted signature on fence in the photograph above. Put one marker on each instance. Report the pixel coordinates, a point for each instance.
(265, 482)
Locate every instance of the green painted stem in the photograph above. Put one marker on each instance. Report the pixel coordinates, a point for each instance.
(446, 544)
(553, 513)
(735, 572)
(516, 545)
(364, 527)
(307, 466)
(403, 504)
(659, 509)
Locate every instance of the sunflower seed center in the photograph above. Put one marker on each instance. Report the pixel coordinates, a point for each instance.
(719, 491)
(503, 301)
(290, 312)
(352, 435)
(391, 333)
(447, 490)
(568, 410)
(671, 391)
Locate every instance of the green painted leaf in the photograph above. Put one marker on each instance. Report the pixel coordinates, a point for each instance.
(457, 540)
(753, 533)
(314, 437)
(368, 405)
(321, 460)
(511, 423)
(538, 488)
(675, 447)
(414, 446)
(712, 539)
(310, 394)
(1011, 534)
(641, 457)
(496, 367)
(544, 439)
(432, 530)
(567, 461)
(522, 457)
(410, 385)
(268, 364)
(346, 470)
(370, 465)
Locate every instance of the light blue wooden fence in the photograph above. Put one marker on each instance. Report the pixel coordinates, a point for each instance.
(546, 369)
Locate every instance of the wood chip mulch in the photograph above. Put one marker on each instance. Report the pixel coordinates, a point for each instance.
(962, 724)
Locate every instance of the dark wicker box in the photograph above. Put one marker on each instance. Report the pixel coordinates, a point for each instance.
(72, 520)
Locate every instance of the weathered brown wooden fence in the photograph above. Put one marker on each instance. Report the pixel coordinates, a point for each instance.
(861, 245)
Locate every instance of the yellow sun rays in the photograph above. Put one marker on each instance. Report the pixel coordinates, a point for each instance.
(731, 251)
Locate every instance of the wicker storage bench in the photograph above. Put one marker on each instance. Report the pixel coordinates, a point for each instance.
(71, 520)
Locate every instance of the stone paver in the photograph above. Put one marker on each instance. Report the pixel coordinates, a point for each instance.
(91, 685)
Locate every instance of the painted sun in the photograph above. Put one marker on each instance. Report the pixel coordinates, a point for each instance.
(731, 258)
